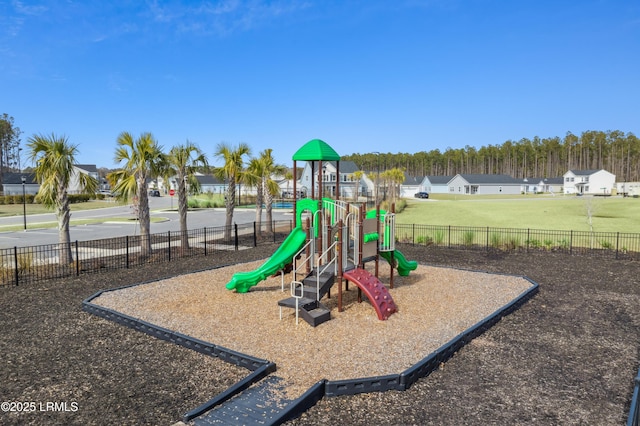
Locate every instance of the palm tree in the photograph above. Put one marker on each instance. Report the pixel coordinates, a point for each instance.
(269, 186)
(143, 159)
(183, 161)
(357, 176)
(54, 158)
(253, 178)
(232, 172)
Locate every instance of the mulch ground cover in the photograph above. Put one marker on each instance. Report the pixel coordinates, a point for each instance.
(568, 356)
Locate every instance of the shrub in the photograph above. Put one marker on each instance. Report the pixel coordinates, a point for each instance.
(424, 240)
(606, 244)
(548, 243)
(438, 237)
(534, 243)
(468, 237)
(495, 240)
(513, 242)
(25, 260)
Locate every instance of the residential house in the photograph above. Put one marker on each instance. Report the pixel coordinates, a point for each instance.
(538, 185)
(211, 184)
(87, 169)
(12, 183)
(348, 184)
(595, 182)
(470, 184)
(436, 184)
(411, 186)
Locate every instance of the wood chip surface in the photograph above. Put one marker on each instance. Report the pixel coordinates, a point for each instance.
(434, 305)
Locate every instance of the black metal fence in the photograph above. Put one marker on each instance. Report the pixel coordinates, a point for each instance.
(616, 245)
(23, 265)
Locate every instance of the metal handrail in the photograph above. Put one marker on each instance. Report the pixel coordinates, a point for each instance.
(319, 272)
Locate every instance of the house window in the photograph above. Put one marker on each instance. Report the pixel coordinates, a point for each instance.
(451, 189)
(586, 188)
(586, 179)
(570, 179)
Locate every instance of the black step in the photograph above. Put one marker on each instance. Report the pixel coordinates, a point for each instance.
(316, 316)
(326, 279)
(290, 302)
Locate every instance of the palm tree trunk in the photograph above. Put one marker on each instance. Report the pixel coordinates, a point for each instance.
(64, 217)
(268, 201)
(230, 204)
(259, 201)
(144, 218)
(182, 211)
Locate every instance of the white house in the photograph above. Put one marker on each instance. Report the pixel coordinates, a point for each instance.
(12, 183)
(537, 185)
(436, 184)
(470, 184)
(410, 186)
(593, 182)
(74, 182)
(348, 184)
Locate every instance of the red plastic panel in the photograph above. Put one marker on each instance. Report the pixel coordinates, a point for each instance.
(376, 292)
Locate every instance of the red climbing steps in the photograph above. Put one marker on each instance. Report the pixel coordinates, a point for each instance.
(375, 291)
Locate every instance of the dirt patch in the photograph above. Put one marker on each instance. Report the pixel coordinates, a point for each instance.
(568, 356)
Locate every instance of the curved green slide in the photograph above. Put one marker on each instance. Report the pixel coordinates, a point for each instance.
(242, 281)
(404, 266)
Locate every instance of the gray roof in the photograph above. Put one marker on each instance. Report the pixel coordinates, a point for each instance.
(90, 168)
(439, 180)
(11, 178)
(584, 172)
(346, 166)
(209, 180)
(491, 179)
(548, 181)
(412, 180)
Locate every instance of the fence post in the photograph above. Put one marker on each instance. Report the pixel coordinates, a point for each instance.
(255, 234)
(617, 242)
(15, 259)
(235, 230)
(413, 234)
(169, 240)
(449, 238)
(205, 240)
(487, 238)
(127, 251)
(528, 239)
(77, 260)
(571, 242)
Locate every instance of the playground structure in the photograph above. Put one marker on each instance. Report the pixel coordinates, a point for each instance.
(331, 241)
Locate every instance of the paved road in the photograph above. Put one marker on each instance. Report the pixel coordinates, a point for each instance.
(160, 207)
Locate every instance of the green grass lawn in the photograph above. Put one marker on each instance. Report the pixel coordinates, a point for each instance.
(609, 214)
(16, 209)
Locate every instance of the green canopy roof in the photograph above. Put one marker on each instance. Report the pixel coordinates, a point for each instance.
(316, 150)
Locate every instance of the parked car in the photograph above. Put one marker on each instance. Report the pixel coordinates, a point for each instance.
(421, 195)
(154, 193)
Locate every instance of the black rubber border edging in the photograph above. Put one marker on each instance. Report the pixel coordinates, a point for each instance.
(261, 368)
(431, 362)
(240, 386)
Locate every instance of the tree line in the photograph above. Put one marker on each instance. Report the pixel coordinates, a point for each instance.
(612, 150)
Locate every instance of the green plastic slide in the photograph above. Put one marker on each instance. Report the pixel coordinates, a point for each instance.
(242, 281)
(404, 266)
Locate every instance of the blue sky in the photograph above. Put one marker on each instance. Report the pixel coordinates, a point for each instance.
(388, 76)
